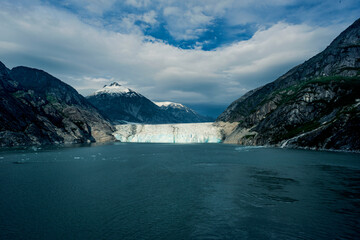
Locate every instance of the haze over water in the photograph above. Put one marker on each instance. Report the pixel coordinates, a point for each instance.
(178, 191)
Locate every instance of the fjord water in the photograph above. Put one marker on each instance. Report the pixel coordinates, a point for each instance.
(178, 191)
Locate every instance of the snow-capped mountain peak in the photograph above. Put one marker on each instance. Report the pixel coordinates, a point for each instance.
(169, 104)
(114, 88)
(123, 104)
(175, 107)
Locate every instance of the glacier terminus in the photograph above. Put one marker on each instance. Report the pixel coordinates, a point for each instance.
(169, 133)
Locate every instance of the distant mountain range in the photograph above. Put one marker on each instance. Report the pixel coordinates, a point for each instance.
(314, 105)
(121, 104)
(182, 113)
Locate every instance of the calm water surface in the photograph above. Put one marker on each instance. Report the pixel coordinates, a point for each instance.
(164, 191)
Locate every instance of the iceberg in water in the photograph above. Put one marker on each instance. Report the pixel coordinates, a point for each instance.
(169, 133)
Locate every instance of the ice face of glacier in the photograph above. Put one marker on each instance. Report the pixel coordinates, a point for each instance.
(169, 133)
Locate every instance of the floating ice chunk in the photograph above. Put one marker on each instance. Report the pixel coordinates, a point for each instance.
(247, 148)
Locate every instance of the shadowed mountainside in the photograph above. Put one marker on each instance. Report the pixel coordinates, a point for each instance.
(37, 108)
(314, 105)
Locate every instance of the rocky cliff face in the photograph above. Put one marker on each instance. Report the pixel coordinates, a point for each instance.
(314, 105)
(37, 108)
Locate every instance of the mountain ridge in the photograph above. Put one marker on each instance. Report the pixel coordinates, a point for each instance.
(120, 104)
(306, 106)
(37, 108)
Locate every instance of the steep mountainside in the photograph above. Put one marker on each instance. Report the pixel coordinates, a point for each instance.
(37, 108)
(119, 104)
(315, 104)
(182, 113)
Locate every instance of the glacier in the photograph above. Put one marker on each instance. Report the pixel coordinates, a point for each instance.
(169, 133)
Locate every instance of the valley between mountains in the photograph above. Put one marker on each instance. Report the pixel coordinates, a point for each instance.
(314, 105)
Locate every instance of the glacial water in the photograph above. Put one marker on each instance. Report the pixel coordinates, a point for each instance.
(178, 191)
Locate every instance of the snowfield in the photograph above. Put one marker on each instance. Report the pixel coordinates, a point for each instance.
(169, 133)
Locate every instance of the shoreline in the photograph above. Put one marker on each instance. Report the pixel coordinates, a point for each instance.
(36, 147)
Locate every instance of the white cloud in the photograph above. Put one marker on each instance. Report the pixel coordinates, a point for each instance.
(138, 3)
(96, 7)
(86, 57)
(135, 23)
(149, 17)
(189, 21)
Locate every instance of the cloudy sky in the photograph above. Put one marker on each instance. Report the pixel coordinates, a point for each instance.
(203, 53)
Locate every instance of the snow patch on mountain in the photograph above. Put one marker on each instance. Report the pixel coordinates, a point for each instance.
(114, 89)
(169, 133)
(169, 104)
(175, 107)
(120, 103)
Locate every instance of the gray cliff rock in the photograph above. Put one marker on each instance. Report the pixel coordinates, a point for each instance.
(314, 105)
(37, 108)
